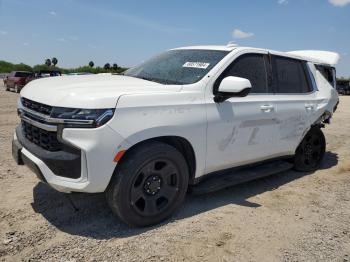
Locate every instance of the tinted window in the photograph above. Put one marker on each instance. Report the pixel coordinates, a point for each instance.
(328, 73)
(23, 74)
(179, 67)
(252, 67)
(290, 76)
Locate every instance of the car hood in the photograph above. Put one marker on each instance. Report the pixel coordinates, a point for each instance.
(89, 91)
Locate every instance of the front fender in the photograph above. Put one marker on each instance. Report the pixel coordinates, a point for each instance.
(141, 117)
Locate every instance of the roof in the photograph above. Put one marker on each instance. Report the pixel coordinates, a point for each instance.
(208, 47)
(315, 56)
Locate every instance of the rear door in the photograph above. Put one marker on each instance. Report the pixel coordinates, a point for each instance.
(294, 102)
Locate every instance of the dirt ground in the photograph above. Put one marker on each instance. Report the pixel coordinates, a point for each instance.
(286, 217)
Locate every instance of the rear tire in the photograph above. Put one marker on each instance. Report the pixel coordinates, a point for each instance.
(148, 185)
(7, 87)
(310, 152)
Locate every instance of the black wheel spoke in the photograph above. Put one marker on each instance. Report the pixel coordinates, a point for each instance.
(167, 171)
(136, 194)
(149, 168)
(169, 192)
(151, 206)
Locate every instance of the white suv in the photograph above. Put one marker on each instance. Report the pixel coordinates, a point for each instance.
(145, 136)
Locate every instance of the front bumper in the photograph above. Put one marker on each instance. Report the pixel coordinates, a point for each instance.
(22, 159)
(92, 168)
(65, 163)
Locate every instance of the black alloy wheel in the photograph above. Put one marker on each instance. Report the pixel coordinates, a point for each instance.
(311, 150)
(149, 184)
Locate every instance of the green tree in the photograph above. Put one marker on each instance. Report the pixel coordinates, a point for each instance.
(115, 67)
(7, 67)
(48, 62)
(107, 66)
(22, 67)
(91, 64)
(54, 61)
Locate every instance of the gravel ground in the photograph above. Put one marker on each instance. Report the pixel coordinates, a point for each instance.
(286, 217)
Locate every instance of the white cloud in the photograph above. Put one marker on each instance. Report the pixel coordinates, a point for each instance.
(92, 46)
(53, 13)
(339, 2)
(26, 44)
(237, 33)
(66, 39)
(282, 2)
(62, 39)
(2, 32)
(73, 37)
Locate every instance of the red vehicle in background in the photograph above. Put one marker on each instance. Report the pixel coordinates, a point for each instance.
(16, 80)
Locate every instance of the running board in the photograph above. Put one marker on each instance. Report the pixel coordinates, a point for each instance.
(234, 177)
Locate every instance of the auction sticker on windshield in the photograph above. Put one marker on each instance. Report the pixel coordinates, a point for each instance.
(196, 65)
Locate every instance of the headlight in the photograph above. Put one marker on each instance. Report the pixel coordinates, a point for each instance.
(75, 117)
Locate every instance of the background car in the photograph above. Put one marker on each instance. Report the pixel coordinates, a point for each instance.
(42, 74)
(16, 80)
(343, 87)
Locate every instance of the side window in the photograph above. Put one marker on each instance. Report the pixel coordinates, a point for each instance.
(328, 73)
(290, 75)
(252, 67)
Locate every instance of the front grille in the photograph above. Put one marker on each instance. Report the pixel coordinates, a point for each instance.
(45, 139)
(37, 107)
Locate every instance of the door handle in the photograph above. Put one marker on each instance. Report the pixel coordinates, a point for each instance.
(267, 108)
(309, 107)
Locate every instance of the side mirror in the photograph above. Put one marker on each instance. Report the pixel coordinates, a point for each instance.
(232, 86)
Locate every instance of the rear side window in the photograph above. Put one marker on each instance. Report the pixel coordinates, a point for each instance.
(328, 73)
(290, 76)
(252, 67)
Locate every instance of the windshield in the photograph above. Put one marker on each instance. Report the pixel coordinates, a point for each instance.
(178, 67)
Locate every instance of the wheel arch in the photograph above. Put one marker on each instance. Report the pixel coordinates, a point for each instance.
(178, 142)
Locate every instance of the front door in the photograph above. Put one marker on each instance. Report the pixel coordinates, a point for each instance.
(241, 130)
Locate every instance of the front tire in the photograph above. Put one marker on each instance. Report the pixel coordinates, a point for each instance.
(311, 150)
(149, 184)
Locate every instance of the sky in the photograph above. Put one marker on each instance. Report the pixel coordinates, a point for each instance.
(129, 32)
